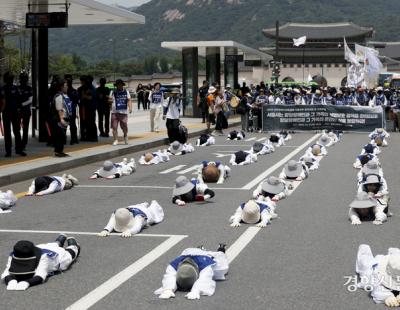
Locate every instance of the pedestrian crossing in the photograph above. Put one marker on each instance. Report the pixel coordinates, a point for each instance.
(176, 168)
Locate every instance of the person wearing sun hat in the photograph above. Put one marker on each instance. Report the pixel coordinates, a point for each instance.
(29, 265)
(276, 139)
(310, 161)
(334, 136)
(45, 185)
(195, 271)
(177, 148)
(371, 167)
(294, 170)
(272, 188)
(213, 172)
(325, 140)
(254, 212)
(205, 140)
(121, 104)
(259, 148)
(364, 208)
(362, 159)
(236, 135)
(186, 190)
(317, 149)
(380, 274)
(115, 171)
(154, 158)
(379, 137)
(131, 220)
(241, 158)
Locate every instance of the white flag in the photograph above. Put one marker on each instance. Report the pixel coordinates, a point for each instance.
(299, 41)
(349, 55)
(309, 78)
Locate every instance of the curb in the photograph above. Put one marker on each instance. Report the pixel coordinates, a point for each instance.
(76, 162)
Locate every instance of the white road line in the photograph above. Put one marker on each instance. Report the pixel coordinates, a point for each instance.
(261, 139)
(235, 145)
(149, 187)
(179, 167)
(240, 243)
(195, 167)
(110, 285)
(280, 163)
(83, 233)
(251, 139)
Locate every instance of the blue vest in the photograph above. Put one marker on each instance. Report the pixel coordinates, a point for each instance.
(262, 99)
(121, 99)
(317, 100)
(328, 100)
(340, 101)
(156, 97)
(202, 261)
(380, 99)
(262, 206)
(288, 100)
(348, 100)
(137, 212)
(205, 163)
(49, 253)
(361, 99)
(67, 104)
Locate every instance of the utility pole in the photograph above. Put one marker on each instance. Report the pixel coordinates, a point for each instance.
(277, 62)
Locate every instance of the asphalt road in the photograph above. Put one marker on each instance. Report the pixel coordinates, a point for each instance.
(300, 261)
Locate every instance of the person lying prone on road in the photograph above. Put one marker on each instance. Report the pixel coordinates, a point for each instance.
(310, 161)
(361, 160)
(205, 140)
(194, 271)
(131, 220)
(236, 135)
(241, 158)
(271, 188)
(177, 148)
(188, 191)
(213, 172)
(154, 158)
(294, 170)
(7, 200)
(379, 137)
(29, 265)
(254, 212)
(259, 148)
(45, 185)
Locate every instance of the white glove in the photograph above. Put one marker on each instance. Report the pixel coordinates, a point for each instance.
(261, 225)
(355, 222)
(220, 182)
(166, 294)
(193, 295)
(206, 197)
(377, 222)
(22, 286)
(181, 203)
(12, 285)
(391, 302)
(126, 234)
(235, 224)
(104, 233)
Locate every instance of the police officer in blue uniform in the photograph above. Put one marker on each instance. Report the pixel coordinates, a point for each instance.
(73, 95)
(26, 102)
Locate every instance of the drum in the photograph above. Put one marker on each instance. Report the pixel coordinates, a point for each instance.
(235, 101)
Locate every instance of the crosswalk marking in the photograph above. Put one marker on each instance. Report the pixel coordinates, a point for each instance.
(195, 167)
(251, 139)
(261, 139)
(179, 167)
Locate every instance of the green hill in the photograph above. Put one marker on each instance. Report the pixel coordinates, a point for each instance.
(239, 20)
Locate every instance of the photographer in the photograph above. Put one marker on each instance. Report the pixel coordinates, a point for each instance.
(61, 111)
(172, 109)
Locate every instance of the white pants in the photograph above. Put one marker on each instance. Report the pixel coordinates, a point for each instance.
(155, 118)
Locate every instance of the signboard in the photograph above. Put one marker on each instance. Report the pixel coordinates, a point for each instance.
(47, 20)
(317, 117)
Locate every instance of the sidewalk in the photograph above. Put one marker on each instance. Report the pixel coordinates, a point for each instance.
(40, 159)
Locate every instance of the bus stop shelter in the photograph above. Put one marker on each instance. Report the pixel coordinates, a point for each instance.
(233, 53)
(80, 12)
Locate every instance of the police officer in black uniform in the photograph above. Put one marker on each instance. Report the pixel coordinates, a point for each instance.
(202, 100)
(26, 102)
(11, 115)
(103, 108)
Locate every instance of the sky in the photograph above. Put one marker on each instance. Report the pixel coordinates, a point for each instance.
(127, 3)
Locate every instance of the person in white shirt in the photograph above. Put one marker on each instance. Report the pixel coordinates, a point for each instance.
(45, 185)
(277, 140)
(205, 140)
(29, 265)
(131, 220)
(335, 137)
(7, 200)
(294, 170)
(285, 135)
(361, 160)
(379, 137)
(370, 149)
(171, 111)
(156, 98)
(379, 98)
(325, 140)
(317, 149)
(241, 158)
(154, 158)
(236, 135)
(213, 172)
(380, 274)
(271, 188)
(120, 106)
(372, 192)
(310, 161)
(115, 171)
(254, 212)
(186, 190)
(371, 167)
(259, 148)
(177, 148)
(194, 271)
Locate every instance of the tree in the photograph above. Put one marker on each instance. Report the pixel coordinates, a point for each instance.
(60, 64)
(164, 66)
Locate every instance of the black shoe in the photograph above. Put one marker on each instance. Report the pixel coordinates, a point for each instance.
(7, 155)
(61, 154)
(106, 135)
(74, 142)
(21, 153)
(61, 240)
(72, 241)
(221, 247)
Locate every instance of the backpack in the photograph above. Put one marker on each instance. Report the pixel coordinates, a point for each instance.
(183, 134)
